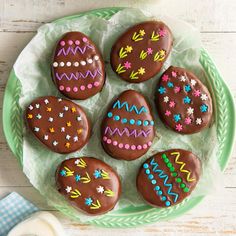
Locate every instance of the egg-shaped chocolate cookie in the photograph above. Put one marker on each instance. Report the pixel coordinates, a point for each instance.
(128, 127)
(77, 66)
(140, 52)
(183, 102)
(88, 184)
(168, 177)
(58, 123)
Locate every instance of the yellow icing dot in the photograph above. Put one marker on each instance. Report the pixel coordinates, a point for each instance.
(141, 71)
(79, 131)
(142, 32)
(128, 48)
(73, 109)
(30, 116)
(51, 130)
(68, 123)
(67, 145)
(49, 109)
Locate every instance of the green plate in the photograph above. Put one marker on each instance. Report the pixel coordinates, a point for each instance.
(132, 216)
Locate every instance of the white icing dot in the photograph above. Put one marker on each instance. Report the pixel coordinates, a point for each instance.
(83, 63)
(76, 64)
(96, 57)
(45, 137)
(68, 63)
(55, 64)
(55, 143)
(62, 64)
(90, 61)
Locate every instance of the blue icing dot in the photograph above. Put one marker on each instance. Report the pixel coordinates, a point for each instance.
(161, 90)
(154, 181)
(157, 188)
(132, 121)
(124, 120)
(116, 118)
(109, 114)
(145, 123)
(204, 108)
(147, 171)
(167, 203)
(163, 198)
(139, 122)
(151, 122)
(159, 192)
(151, 176)
(187, 88)
(145, 165)
(170, 84)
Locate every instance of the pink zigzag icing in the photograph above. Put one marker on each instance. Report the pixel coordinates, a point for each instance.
(136, 133)
(78, 75)
(74, 50)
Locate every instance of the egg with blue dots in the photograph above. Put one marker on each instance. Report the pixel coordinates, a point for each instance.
(77, 66)
(128, 129)
(168, 177)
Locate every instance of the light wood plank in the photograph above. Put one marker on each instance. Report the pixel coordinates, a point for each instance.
(208, 16)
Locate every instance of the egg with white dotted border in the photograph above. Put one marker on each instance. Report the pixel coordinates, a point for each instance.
(77, 67)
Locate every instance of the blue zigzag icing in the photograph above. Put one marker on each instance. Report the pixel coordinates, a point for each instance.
(129, 108)
(165, 177)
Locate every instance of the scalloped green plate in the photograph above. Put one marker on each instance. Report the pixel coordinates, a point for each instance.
(132, 216)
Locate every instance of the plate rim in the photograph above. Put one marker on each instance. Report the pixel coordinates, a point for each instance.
(13, 85)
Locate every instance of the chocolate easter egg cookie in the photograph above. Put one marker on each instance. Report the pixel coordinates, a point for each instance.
(140, 52)
(184, 104)
(58, 123)
(168, 177)
(88, 184)
(128, 127)
(77, 67)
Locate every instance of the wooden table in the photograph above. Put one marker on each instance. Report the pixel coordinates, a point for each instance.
(216, 19)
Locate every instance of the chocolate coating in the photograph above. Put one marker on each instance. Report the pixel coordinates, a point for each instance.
(183, 103)
(140, 52)
(77, 67)
(58, 123)
(88, 184)
(168, 177)
(128, 127)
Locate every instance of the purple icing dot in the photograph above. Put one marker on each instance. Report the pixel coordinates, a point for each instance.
(61, 88)
(96, 84)
(145, 146)
(139, 147)
(75, 89)
(77, 42)
(133, 147)
(115, 143)
(67, 89)
(104, 138)
(108, 141)
(149, 143)
(82, 87)
(62, 43)
(120, 145)
(126, 146)
(89, 86)
(85, 39)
